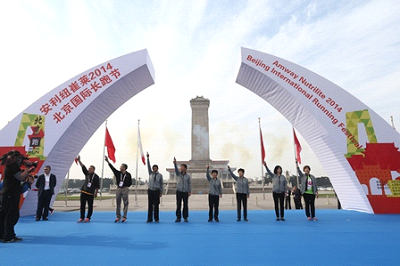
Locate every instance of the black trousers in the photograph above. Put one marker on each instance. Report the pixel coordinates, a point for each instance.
(309, 200)
(89, 199)
(297, 204)
(278, 201)
(43, 204)
(9, 215)
(182, 196)
(154, 202)
(213, 203)
(287, 203)
(241, 198)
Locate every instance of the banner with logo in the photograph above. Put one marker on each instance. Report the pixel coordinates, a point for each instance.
(55, 128)
(357, 148)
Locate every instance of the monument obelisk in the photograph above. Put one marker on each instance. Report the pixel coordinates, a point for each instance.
(200, 133)
(200, 151)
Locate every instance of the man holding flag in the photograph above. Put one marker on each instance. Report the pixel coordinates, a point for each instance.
(123, 178)
(124, 181)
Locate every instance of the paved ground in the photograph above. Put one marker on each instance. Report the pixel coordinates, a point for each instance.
(196, 202)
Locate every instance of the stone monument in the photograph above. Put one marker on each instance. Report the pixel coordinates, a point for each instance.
(201, 152)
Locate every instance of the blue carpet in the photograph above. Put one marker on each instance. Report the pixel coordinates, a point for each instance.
(338, 238)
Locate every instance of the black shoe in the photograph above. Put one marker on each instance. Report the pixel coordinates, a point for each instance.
(149, 221)
(282, 219)
(157, 221)
(209, 220)
(186, 220)
(13, 240)
(45, 219)
(238, 220)
(246, 220)
(177, 220)
(277, 218)
(217, 220)
(37, 219)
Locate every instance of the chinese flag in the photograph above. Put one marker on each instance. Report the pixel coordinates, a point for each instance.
(297, 146)
(140, 147)
(262, 147)
(110, 146)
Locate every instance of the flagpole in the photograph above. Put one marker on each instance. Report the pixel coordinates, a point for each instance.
(137, 166)
(102, 164)
(391, 118)
(262, 168)
(295, 157)
(66, 190)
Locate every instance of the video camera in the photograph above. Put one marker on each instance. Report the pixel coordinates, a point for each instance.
(16, 157)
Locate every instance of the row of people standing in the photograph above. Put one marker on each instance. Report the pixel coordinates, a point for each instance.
(308, 190)
(183, 191)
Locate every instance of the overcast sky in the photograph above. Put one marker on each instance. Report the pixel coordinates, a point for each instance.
(195, 50)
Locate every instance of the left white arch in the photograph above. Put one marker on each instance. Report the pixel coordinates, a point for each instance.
(72, 112)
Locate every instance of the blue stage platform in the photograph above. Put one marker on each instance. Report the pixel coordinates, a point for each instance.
(338, 238)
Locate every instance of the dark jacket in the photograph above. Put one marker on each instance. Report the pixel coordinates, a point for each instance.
(41, 182)
(11, 184)
(93, 178)
(297, 194)
(119, 176)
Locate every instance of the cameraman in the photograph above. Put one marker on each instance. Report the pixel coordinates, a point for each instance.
(11, 194)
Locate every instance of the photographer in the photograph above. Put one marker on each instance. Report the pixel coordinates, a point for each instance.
(11, 193)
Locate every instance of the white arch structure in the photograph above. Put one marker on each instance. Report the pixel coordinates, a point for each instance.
(330, 119)
(56, 127)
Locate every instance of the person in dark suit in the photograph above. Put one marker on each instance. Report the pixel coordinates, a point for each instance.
(297, 197)
(45, 184)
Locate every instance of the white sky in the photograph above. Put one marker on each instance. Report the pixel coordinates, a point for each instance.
(195, 50)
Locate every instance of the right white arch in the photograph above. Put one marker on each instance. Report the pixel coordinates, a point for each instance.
(279, 83)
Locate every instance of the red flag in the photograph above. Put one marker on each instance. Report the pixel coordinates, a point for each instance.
(76, 160)
(262, 147)
(110, 146)
(140, 147)
(297, 146)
